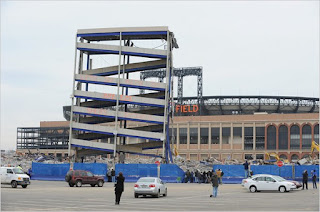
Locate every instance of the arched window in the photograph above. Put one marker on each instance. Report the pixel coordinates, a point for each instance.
(271, 137)
(283, 137)
(294, 137)
(306, 156)
(294, 157)
(316, 133)
(283, 156)
(306, 136)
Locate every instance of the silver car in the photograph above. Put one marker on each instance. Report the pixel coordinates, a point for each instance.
(153, 186)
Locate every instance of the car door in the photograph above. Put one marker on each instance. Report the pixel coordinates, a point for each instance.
(90, 178)
(84, 177)
(261, 183)
(163, 186)
(271, 184)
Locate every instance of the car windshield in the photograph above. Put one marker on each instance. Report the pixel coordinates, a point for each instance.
(279, 179)
(18, 171)
(146, 180)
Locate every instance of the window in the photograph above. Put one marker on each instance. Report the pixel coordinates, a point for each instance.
(283, 156)
(89, 174)
(204, 135)
(83, 174)
(173, 135)
(215, 135)
(316, 133)
(283, 137)
(183, 135)
(294, 137)
(271, 137)
(237, 135)
(260, 179)
(77, 173)
(260, 156)
(9, 171)
(306, 136)
(226, 135)
(294, 157)
(260, 138)
(248, 156)
(270, 179)
(193, 135)
(248, 138)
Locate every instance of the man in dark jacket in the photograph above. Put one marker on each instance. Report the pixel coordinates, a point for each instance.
(215, 185)
(314, 179)
(246, 168)
(305, 179)
(113, 175)
(119, 187)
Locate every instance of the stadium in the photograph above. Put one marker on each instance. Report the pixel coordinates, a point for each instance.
(224, 127)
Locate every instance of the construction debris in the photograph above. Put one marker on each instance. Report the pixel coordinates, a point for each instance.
(11, 158)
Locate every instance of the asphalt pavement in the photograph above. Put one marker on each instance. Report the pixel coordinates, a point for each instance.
(58, 196)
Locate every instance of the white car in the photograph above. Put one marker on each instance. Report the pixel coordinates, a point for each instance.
(14, 176)
(264, 182)
(153, 186)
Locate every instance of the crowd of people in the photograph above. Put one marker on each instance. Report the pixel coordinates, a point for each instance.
(202, 177)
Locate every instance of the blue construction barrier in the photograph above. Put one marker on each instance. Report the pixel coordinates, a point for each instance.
(235, 173)
(57, 172)
(168, 172)
(44, 171)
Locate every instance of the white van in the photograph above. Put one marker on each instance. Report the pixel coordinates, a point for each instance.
(14, 176)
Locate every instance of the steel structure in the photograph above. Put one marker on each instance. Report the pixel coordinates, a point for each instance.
(180, 73)
(99, 115)
(42, 137)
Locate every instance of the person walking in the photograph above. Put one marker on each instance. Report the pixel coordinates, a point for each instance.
(246, 169)
(215, 185)
(119, 187)
(305, 179)
(113, 175)
(314, 179)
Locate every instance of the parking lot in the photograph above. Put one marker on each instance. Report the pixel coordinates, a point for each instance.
(58, 196)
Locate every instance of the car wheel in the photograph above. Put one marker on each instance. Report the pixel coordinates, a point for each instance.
(158, 194)
(165, 193)
(78, 183)
(136, 195)
(93, 185)
(24, 186)
(253, 189)
(282, 189)
(14, 184)
(100, 183)
(71, 184)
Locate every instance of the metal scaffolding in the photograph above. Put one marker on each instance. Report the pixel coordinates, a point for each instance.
(98, 116)
(42, 137)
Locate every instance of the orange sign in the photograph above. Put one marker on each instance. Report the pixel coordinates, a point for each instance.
(187, 108)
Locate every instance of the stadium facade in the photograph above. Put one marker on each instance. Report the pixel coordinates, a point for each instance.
(224, 127)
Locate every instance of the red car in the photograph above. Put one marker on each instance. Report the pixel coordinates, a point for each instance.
(80, 177)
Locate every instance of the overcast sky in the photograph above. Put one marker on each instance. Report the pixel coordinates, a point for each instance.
(245, 48)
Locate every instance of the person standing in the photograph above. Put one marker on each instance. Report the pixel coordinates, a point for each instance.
(113, 175)
(314, 179)
(219, 174)
(246, 169)
(215, 185)
(305, 179)
(119, 187)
